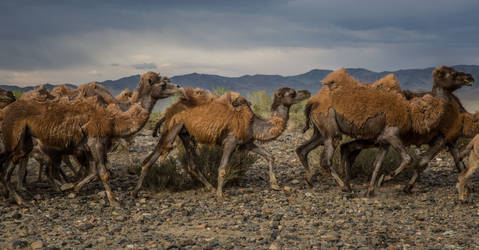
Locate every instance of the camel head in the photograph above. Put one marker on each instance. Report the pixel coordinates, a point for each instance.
(158, 87)
(449, 79)
(339, 76)
(288, 96)
(6, 97)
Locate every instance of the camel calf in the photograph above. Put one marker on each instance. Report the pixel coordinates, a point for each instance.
(472, 166)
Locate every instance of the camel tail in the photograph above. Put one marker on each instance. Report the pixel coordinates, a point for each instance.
(158, 126)
(307, 114)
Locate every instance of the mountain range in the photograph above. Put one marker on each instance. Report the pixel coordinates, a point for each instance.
(412, 79)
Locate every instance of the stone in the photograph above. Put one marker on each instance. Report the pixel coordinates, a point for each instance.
(37, 245)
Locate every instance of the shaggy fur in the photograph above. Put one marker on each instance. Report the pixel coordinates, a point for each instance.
(124, 96)
(343, 92)
(6, 97)
(208, 123)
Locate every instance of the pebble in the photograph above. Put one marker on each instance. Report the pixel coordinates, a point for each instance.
(37, 245)
(330, 236)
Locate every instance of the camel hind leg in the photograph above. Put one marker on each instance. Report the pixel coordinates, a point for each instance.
(190, 147)
(304, 149)
(229, 146)
(327, 163)
(349, 151)
(166, 139)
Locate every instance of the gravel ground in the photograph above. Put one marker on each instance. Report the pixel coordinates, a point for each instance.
(299, 217)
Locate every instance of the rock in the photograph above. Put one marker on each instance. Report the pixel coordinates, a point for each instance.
(37, 245)
(287, 189)
(295, 181)
(330, 236)
(16, 216)
(273, 246)
(19, 244)
(72, 195)
(66, 186)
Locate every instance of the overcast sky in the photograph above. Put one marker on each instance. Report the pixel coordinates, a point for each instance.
(81, 41)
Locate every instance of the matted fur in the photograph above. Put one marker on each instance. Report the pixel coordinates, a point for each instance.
(40, 94)
(208, 123)
(358, 102)
(387, 83)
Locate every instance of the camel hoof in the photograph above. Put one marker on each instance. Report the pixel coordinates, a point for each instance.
(369, 194)
(408, 189)
(380, 181)
(221, 197)
(275, 187)
(134, 193)
(346, 189)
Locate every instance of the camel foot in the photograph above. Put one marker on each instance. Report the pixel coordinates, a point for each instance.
(275, 186)
(408, 189)
(346, 189)
(134, 193)
(221, 196)
(369, 193)
(309, 180)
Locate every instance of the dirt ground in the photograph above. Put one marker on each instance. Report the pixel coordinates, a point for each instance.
(253, 217)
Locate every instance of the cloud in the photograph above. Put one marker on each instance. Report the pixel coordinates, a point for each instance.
(144, 66)
(77, 41)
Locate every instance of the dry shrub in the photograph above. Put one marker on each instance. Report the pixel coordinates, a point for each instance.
(363, 165)
(172, 174)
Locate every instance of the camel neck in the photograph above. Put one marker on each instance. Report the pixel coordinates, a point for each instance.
(272, 128)
(135, 117)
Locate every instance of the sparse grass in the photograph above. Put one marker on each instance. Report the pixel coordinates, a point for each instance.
(154, 118)
(172, 174)
(17, 93)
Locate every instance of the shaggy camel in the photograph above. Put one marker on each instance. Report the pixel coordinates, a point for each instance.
(66, 94)
(217, 123)
(446, 134)
(376, 117)
(81, 123)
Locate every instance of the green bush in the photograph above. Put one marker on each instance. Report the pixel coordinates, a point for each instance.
(17, 93)
(152, 120)
(172, 173)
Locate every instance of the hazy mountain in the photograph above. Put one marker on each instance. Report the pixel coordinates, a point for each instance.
(413, 79)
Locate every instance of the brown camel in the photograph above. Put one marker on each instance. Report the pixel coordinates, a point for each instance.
(65, 94)
(82, 123)
(230, 123)
(469, 129)
(377, 117)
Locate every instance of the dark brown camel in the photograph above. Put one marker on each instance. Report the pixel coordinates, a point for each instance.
(381, 118)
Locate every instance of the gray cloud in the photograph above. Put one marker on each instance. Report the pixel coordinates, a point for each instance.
(56, 35)
(144, 66)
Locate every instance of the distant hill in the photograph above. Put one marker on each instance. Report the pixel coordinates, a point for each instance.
(413, 79)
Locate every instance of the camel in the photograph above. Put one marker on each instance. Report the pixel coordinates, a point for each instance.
(79, 124)
(470, 129)
(66, 94)
(228, 122)
(377, 117)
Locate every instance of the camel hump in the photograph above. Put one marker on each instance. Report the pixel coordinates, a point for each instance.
(388, 83)
(425, 113)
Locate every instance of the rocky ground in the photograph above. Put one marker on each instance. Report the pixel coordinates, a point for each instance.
(254, 216)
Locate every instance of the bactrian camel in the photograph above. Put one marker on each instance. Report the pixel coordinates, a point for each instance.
(82, 123)
(66, 94)
(375, 116)
(217, 123)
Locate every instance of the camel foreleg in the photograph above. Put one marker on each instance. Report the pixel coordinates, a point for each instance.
(304, 149)
(229, 146)
(270, 159)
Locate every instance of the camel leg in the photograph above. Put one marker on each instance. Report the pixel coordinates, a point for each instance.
(190, 147)
(92, 174)
(421, 165)
(98, 151)
(22, 174)
(349, 151)
(270, 159)
(391, 136)
(8, 189)
(165, 139)
(458, 165)
(303, 150)
(327, 163)
(377, 166)
(229, 146)
(464, 177)
(53, 163)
